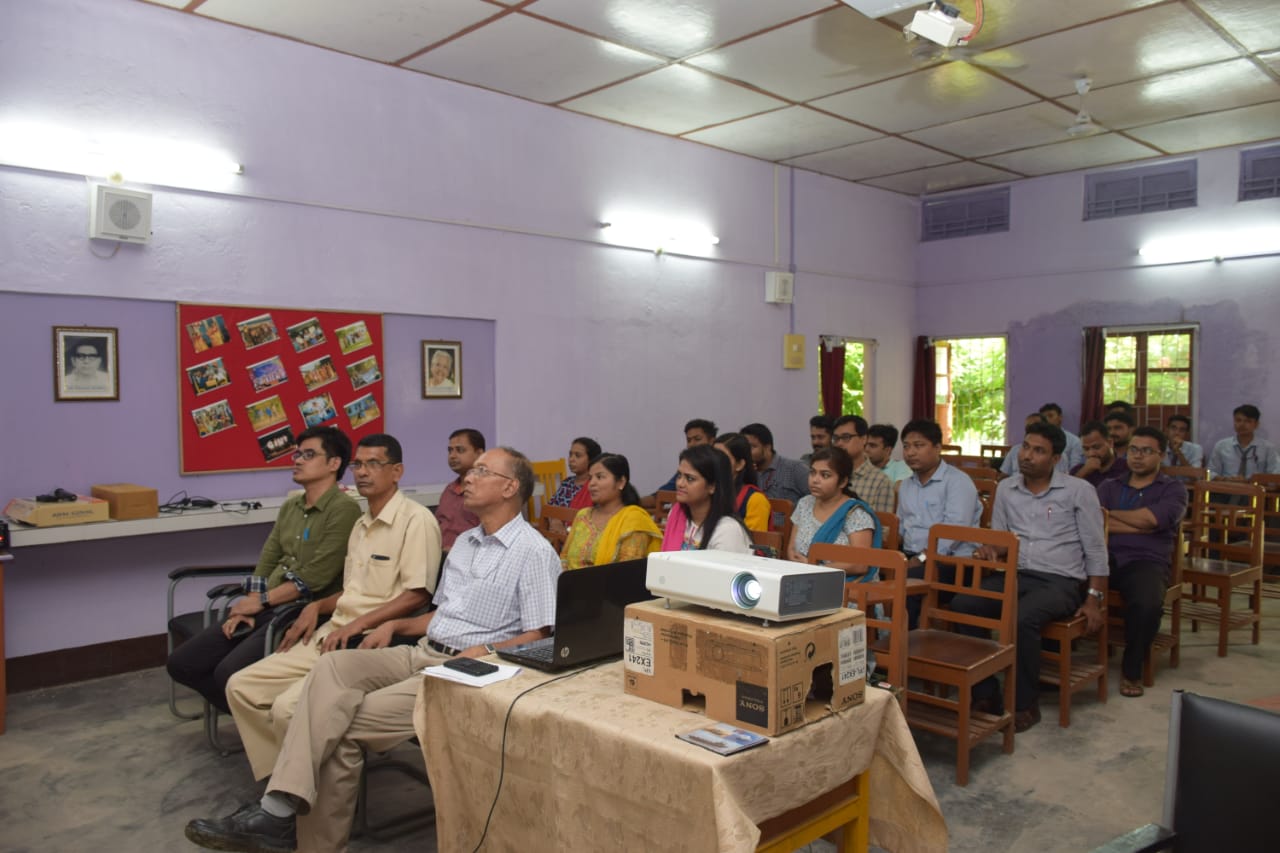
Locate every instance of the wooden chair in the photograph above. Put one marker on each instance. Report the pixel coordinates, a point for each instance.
(962, 461)
(770, 540)
(890, 531)
(1185, 473)
(994, 452)
(1270, 533)
(983, 473)
(952, 450)
(886, 625)
(1224, 553)
(662, 502)
(556, 533)
(938, 654)
(548, 472)
(1067, 672)
(1170, 641)
(986, 494)
(780, 519)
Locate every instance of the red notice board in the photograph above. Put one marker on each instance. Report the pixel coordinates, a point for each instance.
(251, 379)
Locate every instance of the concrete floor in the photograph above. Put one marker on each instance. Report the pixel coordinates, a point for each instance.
(103, 766)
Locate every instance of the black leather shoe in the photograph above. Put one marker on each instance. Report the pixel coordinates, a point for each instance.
(1024, 720)
(249, 830)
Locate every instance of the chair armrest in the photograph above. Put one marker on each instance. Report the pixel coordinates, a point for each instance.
(225, 590)
(209, 571)
(1144, 839)
(282, 615)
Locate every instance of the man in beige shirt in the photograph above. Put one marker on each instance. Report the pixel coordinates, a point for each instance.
(392, 565)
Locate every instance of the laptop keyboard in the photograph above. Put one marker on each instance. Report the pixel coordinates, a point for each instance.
(544, 652)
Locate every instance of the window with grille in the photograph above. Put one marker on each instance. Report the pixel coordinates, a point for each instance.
(1144, 189)
(1153, 370)
(1260, 173)
(983, 212)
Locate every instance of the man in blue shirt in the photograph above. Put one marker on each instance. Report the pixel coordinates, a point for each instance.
(1074, 454)
(1058, 522)
(1182, 452)
(1241, 457)
(935, 493)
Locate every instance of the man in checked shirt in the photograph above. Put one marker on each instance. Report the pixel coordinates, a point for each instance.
(497, 589)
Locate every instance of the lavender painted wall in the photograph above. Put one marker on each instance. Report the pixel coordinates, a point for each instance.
(1052, 274)
(381, 190)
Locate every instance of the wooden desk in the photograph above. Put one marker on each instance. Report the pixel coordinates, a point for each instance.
(589, 768)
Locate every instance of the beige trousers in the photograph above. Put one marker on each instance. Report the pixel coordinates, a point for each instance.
(262, 698)
(351, 699)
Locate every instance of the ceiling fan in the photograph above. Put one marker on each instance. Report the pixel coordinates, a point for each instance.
(1084, 124)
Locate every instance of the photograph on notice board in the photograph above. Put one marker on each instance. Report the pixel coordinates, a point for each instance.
(85, 364)
(364, 372)
(362, 410)
(266, 413)
(267, 374)
(317, 410)
(207, 333)
(306, 334)
(441, 368)
(319, 372)
(209, 376)
(354, 337)
(276, 444)
(213, 418)
(257, 331)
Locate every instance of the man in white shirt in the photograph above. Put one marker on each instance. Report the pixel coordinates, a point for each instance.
(1182, 452)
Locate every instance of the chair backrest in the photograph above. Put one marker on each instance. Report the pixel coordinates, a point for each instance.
(952, 450)
(1185, 472)
(963, 461)
(987, 494)
(556, 535)
(890, 591)
(995, 451)
(548, 472)
(983, 473)
(780, 519)
(890, 531)
(1225, 521)
(1221, 755)
(1270, 516)
(768, 543)
(970, 572)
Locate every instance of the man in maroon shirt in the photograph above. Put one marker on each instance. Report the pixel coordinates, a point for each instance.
(1145, 509)
(465, 447)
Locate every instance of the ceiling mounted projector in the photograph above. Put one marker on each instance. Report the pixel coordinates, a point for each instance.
(772, 590)
(940, 24)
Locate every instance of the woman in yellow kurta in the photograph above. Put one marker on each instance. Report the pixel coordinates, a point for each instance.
(614, 528)
(750, 504)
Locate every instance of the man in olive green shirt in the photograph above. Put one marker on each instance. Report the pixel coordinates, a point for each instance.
(301, 560)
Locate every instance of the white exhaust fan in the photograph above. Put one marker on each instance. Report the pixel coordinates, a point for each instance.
(119, 214)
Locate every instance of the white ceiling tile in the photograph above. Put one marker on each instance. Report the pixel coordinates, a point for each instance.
(1022, 127)
(1236, 83)
(783, 133)
(378, 29)
(1254, 24)
(952, 176)
(1150, 41)
(539, 60)
(674, 28)
(868, 159)
(1272, 59)
(676, 99)
(1013, 20)
(1074, 154)
(932, 96)
(1230, 127)
(826, 53)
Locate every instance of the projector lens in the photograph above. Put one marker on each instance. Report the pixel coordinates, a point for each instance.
(746, 590)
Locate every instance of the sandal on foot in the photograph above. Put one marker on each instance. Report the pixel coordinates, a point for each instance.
(1131, 688)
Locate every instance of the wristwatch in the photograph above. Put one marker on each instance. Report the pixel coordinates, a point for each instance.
(488, 648)
(1098, 594)
(262, 599)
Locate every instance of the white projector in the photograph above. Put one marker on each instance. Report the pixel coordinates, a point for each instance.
(777, 590)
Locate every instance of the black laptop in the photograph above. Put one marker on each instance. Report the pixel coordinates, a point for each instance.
(589, 612)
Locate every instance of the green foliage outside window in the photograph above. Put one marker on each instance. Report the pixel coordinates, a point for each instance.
(977, 392)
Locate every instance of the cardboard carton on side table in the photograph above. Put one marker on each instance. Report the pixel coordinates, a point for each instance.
(126, 500)
(768, 679)
(83, 509)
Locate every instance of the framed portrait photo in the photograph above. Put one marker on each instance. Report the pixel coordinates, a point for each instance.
(85, 364)
(441, 369)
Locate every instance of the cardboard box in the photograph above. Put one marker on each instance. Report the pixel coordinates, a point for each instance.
(128, 501)
(766, 679)
(84, 509)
